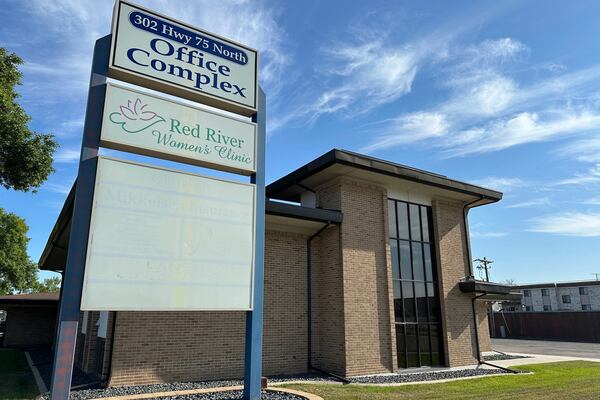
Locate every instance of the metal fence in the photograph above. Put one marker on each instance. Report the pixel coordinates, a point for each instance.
(570, 326)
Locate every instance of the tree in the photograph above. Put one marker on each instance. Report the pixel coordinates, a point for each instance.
(25, 156)
(48, 285)
(17, 272)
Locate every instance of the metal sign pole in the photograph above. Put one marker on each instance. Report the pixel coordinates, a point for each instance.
(254, 318)
(78, 240)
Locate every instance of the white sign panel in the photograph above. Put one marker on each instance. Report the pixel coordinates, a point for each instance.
(166, 240)
(167, 55)
(149, 125)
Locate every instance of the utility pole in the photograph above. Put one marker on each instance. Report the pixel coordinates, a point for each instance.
(484, 265)
(597, 275)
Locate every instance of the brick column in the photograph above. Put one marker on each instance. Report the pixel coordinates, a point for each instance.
(457, 314)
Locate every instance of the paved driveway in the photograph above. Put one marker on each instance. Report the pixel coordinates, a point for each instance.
(569, 349)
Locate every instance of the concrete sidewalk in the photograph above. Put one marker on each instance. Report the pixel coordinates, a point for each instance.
(537, 359)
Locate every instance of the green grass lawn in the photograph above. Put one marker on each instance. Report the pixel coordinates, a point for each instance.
(575, 380)
(16, 379)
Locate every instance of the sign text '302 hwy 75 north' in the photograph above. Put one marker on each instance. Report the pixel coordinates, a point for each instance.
(167, 55)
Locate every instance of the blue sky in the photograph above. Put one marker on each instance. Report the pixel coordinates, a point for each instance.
(501, 94)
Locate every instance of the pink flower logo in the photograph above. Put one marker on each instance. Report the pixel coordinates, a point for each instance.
(135, 117)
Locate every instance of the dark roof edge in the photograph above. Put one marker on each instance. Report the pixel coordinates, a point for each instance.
(32, 302)
(484, 287)
(62, 221)
(379, 166)
(294, 211)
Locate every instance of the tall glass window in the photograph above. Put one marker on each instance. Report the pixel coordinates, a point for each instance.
(416, 298)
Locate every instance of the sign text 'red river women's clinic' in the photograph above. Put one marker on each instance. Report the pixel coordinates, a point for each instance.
(153, 126)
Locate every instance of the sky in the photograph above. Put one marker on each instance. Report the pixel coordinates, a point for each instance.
(501, 94)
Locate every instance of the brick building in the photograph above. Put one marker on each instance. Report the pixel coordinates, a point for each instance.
(367, 270)
(30, 319)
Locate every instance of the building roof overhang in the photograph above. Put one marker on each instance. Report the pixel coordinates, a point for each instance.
(336, 163)
(489, 291)
(279, 216)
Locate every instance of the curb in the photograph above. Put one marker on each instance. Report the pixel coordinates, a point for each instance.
(36, 375)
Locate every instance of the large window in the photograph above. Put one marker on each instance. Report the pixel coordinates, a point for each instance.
(416, 299)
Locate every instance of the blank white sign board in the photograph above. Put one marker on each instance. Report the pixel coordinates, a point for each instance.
(166, 240)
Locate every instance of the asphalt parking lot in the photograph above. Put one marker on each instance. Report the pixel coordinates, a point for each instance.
(568, 349)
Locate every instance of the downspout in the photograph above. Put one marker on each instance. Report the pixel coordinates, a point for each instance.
(112, 348)
(472, 275)
(309, 305)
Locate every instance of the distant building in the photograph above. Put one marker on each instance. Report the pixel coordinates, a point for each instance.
(559, 296)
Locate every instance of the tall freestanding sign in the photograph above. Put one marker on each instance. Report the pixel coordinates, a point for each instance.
(146, 238)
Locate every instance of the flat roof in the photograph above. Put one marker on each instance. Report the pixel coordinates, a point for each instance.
(558, 284)
(291, 186)
(31, 298)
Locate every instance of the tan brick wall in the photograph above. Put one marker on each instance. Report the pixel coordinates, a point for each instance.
(29, 325)
(452, 257)
(367, 280)
(182, 346)
(328, 345)
(360, 292)
(485, 344)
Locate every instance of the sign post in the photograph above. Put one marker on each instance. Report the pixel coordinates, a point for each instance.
(254, 318)
(166, 55)
(68, 319)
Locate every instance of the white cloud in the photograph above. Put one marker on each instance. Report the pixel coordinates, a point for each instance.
(61, 188)
(502, 184)
(477, 234)
(410, 128)
(591, 176)
(569, 224)
(67, 156)
(489, 111)
(543, 201)
(583, 150)
(525, 127)
(595, 201)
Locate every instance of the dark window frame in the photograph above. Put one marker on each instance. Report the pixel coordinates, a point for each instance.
(583, 291)
(566, 298)
(420, 322)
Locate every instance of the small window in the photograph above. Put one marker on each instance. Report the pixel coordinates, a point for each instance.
(566, 299)
(510, 308)
(547, 308)
(583, 290)
(586, 307)
(526, 293)
(528, 308)
(545, 292)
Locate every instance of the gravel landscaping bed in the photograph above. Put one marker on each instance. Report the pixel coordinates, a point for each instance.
(426, 376)
(86, 394)
(235, 395)
(94, 393)
(500, 357)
